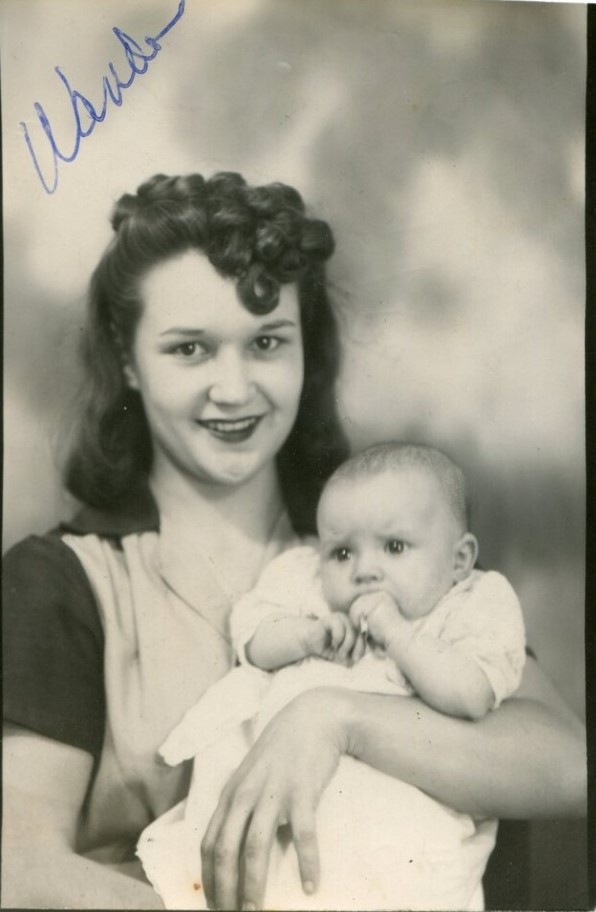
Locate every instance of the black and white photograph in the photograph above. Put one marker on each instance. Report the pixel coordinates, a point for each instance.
(294, 463)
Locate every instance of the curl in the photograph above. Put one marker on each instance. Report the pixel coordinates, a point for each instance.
(262, 238)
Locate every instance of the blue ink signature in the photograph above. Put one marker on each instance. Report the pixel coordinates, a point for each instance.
(138, 60)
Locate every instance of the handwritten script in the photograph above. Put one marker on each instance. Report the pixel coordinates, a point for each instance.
(86, 115)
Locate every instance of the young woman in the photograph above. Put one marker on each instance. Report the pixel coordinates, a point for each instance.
(207, 430)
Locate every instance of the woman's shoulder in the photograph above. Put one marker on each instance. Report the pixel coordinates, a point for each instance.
(137, 513)
(53, 643)
(41, 574)
(42, 561)
(44, 554)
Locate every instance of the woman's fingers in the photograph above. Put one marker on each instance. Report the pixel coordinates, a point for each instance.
(281, 778)
(257, 850)
(304, 835)
(220, 852)
(208, 850)
(223, 846)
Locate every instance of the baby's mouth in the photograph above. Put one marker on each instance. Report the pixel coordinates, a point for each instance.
(231, 430)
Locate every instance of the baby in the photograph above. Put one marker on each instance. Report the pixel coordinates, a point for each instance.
(388, 601)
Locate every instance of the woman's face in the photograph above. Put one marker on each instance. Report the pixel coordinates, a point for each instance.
(220, 386)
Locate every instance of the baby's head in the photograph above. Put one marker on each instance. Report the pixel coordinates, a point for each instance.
(394, 518)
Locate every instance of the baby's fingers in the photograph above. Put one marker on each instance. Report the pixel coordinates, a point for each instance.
(359, 610)
(358, 649)
(349, 641)
(335, 632)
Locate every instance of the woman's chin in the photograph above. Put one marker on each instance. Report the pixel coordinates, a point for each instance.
(235, 472)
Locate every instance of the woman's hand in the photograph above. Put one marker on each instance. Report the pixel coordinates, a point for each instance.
(280, 781)
(527, 759)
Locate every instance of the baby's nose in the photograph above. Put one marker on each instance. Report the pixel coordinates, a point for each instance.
(367, 569)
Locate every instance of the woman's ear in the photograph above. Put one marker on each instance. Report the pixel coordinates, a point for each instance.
(130, 376)
(464, 556)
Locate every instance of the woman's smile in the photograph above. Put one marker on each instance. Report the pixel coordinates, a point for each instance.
(231, 430)
(220, 385)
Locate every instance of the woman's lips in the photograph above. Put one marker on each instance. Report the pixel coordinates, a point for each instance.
(231, 430)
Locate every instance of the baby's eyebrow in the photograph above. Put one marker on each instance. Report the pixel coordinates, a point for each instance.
(395, 529)
(332, 537)
(329, 546)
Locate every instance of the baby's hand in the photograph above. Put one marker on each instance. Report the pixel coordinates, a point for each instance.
(331, 637)
(382, 616)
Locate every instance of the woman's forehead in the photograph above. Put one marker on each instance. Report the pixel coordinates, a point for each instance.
(186, 292)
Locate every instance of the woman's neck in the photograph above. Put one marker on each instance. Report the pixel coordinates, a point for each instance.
(251, 509)
(229, 528)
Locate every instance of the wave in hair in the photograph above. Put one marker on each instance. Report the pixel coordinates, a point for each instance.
(262, 238)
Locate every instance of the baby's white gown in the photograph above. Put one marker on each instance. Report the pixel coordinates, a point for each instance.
(383, 844)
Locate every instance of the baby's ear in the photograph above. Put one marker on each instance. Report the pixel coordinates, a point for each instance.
(464, 556)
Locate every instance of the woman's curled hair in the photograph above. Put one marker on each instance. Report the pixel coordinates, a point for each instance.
(262, 238)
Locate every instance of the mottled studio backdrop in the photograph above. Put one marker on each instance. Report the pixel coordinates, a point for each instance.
(443, 140)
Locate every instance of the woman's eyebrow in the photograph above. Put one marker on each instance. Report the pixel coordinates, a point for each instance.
(196, 331)
(277, 324)
(183, 331)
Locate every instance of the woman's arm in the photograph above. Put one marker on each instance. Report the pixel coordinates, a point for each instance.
(527, 759)
(45, 783)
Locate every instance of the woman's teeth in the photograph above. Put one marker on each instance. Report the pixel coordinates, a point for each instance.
(232, 431)
(222, 426)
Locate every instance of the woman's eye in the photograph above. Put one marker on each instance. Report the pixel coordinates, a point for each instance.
(342, 554)
(188, 349)
(395, 546)
(267, 343)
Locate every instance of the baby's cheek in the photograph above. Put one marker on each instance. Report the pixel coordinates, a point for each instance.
(335, 590)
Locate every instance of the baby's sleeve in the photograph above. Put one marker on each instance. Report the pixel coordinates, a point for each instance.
(288, 585)
(488, 626)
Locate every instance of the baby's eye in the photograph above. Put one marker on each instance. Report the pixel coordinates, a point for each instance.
(342, 554)
(267, 343)
(395, 546)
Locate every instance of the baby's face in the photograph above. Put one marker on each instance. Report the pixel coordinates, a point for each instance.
(392, 532)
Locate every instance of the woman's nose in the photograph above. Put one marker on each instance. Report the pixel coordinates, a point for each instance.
(367, 569)
(231, 382)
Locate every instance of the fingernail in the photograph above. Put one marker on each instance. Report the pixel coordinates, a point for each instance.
(309, 887)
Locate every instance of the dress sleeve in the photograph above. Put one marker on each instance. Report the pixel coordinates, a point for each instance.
(488, 626)
(52, 645)
(288, 585)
